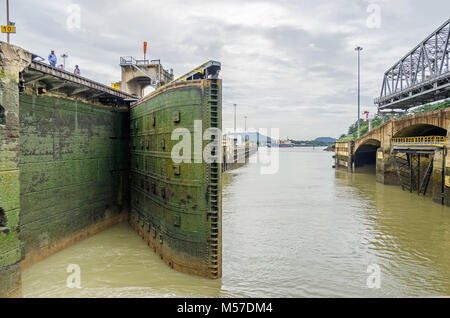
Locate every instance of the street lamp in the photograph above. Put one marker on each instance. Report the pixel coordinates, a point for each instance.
(235, 118)
(7, 19)
(64, 56)
(359, 49)
(245, 128)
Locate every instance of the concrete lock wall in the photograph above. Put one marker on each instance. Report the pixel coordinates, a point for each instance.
(12, 61)
(73, 172)
(64, 170)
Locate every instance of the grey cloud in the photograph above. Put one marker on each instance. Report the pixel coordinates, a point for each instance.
(297, 72)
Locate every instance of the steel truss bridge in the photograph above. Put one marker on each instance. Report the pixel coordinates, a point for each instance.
(422, 76)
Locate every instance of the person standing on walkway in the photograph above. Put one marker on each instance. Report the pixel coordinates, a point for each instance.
(76, 71)
(52, 59)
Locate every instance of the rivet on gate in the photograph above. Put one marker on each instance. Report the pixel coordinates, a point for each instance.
(176, 116)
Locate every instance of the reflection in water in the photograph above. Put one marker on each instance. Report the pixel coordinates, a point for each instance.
(114, 263)
(305, 231)
(409, 235)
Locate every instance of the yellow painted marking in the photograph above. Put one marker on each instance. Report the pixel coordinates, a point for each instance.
(447, 181)
(436, 141)
(8, 29)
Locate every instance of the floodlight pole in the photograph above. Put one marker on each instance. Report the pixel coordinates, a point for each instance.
(359, 49)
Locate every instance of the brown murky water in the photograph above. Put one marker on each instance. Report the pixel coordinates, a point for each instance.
(306, 231)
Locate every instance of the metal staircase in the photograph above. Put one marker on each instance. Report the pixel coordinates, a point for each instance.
(426, 178)
(408, 169)
(403, 164)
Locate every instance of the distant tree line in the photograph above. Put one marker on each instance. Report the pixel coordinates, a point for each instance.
(311, 143)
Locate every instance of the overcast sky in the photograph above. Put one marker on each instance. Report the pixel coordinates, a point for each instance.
(288, 64)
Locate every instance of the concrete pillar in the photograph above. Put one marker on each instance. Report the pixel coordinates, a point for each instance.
(136, 78)
(343, 156)
(437, 182)
(441, 175)
(386, 172)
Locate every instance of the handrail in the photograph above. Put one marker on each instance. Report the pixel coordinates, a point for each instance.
(199, 69)
(425, 140)
(70, 77)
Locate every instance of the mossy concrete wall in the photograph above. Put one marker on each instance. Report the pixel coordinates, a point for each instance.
(12, 61)
(64, 170)
(73, 171)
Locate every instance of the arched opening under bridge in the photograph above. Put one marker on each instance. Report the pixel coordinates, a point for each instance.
(366, 156)
(421, 130)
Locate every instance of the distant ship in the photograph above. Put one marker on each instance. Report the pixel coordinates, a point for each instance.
(283, 144)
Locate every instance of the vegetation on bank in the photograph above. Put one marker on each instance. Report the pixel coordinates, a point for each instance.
(352, 133)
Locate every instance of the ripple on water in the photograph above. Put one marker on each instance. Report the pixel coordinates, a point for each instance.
(306, 231)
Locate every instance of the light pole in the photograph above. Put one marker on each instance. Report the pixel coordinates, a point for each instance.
(235, 118)
(7, 18)
(64, 56)
(359, 49)
(245, 128)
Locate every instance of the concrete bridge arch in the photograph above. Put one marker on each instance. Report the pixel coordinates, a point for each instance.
(419, 130)
(376, 149)
(366, 153)
(435, 123)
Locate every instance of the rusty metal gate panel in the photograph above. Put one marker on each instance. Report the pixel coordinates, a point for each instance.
(176, 207)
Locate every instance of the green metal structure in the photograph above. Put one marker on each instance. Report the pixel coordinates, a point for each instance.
(176, 207)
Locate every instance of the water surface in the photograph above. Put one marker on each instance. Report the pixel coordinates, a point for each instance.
(306, 231)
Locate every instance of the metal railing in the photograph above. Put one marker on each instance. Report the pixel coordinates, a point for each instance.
(129, 60)
(434, 141)
(206, 69)
(70, 77)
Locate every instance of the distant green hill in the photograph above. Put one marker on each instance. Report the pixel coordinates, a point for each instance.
(328, 140)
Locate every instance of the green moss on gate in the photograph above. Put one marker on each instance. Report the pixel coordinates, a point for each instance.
(178, 203)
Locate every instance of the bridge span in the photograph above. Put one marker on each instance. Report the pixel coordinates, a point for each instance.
(409, 151)
(421, 76)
